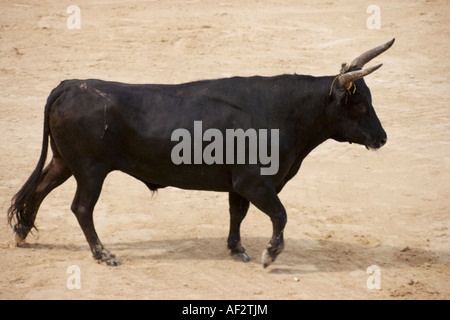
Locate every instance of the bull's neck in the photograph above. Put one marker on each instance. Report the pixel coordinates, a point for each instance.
(310, 107)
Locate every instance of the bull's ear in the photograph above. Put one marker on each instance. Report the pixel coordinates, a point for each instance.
(344, 68)
(346, 79)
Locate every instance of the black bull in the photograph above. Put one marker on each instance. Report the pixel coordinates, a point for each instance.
(96, 127)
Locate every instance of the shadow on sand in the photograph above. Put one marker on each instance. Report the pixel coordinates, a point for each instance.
(300, 255)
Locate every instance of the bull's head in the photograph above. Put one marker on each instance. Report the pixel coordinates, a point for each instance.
(357, 120)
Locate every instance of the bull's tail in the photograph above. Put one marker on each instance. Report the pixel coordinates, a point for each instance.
(22, 212)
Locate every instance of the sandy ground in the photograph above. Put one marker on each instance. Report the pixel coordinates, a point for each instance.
(348, 208)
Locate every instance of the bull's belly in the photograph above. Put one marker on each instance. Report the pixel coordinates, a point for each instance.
(213, 177)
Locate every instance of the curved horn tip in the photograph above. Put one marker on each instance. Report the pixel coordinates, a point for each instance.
(346, 78)
(372, 69)
(390, 43)
(367, 56)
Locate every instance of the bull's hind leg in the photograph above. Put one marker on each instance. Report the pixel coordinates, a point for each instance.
(238, 211)
(51, 177)
(89, 186)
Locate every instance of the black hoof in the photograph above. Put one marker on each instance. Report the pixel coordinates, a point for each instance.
(241, 256)
(112, 263)
(270, 254)
(107, 258)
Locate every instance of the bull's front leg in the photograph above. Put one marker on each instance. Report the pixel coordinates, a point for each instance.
(276, 244)
(260, 191)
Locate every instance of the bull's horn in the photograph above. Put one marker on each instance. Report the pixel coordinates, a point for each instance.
(346, 78)
(369, 55)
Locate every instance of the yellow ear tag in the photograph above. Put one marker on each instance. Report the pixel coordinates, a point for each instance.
(349, 88)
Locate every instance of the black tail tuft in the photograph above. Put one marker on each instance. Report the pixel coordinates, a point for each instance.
(22, 211)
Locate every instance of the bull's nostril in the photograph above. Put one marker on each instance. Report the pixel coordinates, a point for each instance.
(383, 141)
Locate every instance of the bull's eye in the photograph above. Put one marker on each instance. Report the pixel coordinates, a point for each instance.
(360, 108)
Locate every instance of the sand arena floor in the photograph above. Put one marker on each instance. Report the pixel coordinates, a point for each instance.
(348, 208)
